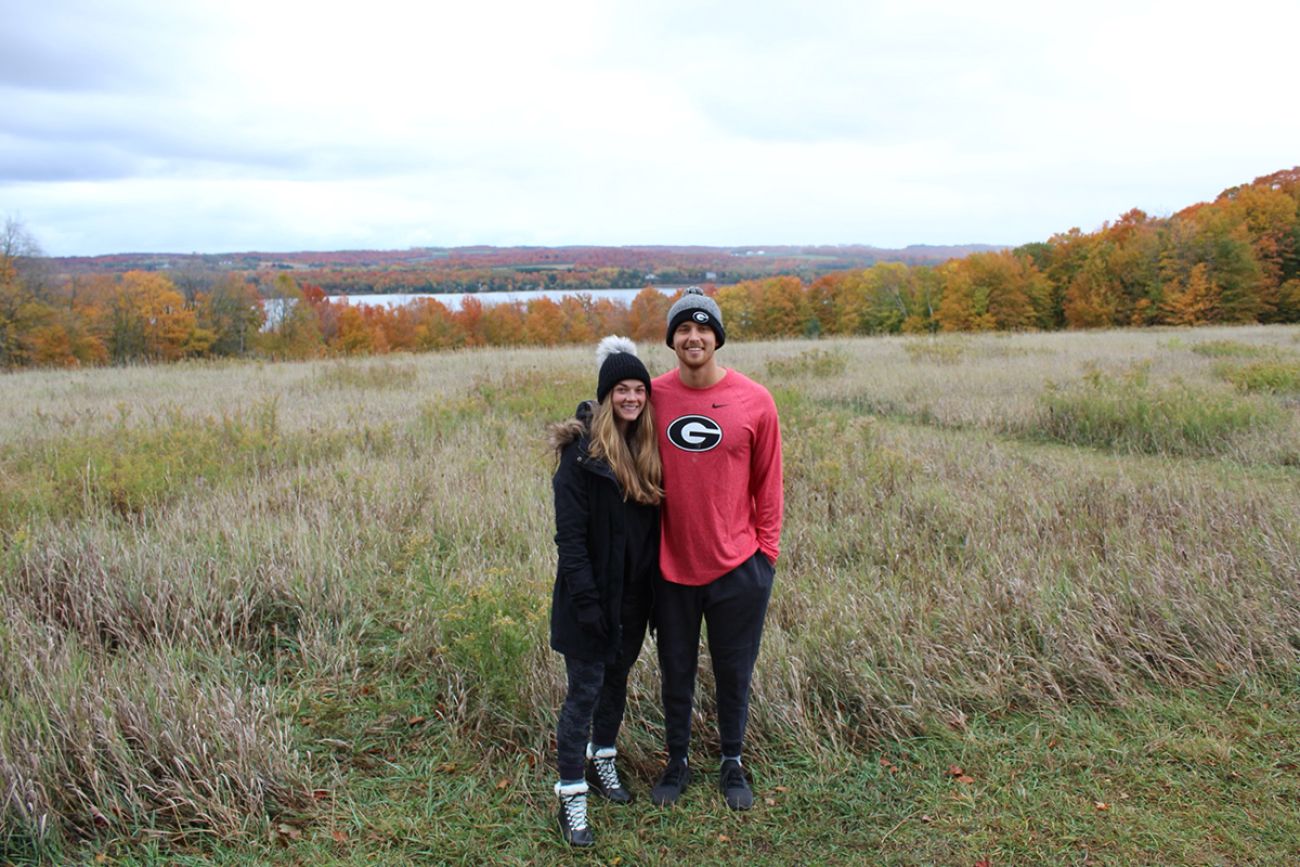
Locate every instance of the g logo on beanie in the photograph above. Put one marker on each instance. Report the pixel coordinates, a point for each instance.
(696, 306)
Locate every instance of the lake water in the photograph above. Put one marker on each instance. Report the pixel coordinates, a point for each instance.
(275, 307)
(452, 300)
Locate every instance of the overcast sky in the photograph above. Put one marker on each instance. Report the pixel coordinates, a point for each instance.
(230, 125)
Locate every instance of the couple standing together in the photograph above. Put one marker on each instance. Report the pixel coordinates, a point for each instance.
(668, 507)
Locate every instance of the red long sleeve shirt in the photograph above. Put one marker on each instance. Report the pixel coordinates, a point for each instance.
(723, 496)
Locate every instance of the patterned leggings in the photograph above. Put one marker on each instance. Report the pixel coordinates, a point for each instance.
(597, 695)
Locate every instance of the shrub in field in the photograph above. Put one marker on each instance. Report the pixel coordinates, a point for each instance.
(488, 631)
(1228, 349)
(1129, 413)
(366, 377)
(1270, 377)
(935, 350)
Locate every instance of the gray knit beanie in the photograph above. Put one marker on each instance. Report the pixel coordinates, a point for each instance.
(694, 304)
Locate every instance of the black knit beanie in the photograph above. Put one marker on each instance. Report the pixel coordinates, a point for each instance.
(617, 359)
(694, 304)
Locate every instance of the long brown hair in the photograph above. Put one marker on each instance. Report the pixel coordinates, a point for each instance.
(634, 460)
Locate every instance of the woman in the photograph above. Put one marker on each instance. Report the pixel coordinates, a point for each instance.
(607, 492)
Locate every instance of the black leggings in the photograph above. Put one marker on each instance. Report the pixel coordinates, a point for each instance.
(597, 693)
(735, 607)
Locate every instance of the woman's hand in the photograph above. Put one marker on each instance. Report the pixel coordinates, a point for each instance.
(592, 619)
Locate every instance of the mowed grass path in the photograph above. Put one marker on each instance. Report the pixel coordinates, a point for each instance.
(1038, 602)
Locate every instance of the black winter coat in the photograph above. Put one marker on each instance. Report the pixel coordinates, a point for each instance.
(592, 540)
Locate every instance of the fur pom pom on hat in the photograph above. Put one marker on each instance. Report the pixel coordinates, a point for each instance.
(697, 306)
(616, 360)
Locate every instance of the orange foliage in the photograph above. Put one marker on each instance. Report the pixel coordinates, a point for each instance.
(648, 315)
(1236, 259)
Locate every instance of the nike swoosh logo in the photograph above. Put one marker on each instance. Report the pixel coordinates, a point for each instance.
(719, 405)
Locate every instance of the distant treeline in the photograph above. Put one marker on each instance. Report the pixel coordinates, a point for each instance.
(1233, 260)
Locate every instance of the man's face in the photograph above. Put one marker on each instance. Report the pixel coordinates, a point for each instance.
(694, 344)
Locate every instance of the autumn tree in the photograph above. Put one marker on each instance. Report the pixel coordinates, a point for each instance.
(987, 291)
(780, 307)
(470, 320)
(1267, 210)
(578, 320)
(836, 301)
(503, 324)
(21, 310)
(354, 335)
(232, 311)
(736, 303)
(293, 329)
(962, 308)
(1201, 236)
(897, 298)
(435, 326)
(543, 322)
(1288, 302)
(648, 315)
(1195, 301)
(148, 320)
(610, 317)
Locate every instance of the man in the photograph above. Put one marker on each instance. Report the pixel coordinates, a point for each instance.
(720, 441)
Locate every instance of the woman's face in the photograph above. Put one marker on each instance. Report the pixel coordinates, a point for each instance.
(628, 399)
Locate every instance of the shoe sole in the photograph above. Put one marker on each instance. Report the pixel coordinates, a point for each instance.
(581, 844)
(594, 788)
(738, 804)
(625, 800)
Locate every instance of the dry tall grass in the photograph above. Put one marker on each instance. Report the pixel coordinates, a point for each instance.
(189, 550)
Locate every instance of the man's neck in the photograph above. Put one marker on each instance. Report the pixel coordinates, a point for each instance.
(701, 377)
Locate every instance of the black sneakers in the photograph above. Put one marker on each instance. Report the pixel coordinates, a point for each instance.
(573, 814)
(734, 786)
(602, 775)
(672, 782)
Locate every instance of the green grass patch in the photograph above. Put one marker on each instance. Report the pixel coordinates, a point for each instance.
(819, 363)
(1230, 349)
(534, 394)
(1188, 778)
(131, 468)
(488, 632)
(1267, 377)
(1128, 413)
(932, 350)
(368, 377)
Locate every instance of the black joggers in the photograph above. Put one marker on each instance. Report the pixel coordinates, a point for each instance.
(734, 607)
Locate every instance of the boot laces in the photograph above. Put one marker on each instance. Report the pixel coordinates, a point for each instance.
(607, 771)
(575, 810)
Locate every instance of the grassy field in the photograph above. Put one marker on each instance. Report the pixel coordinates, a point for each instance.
(1038, 603)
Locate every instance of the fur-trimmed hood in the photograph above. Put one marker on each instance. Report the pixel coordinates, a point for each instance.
(562, 433)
